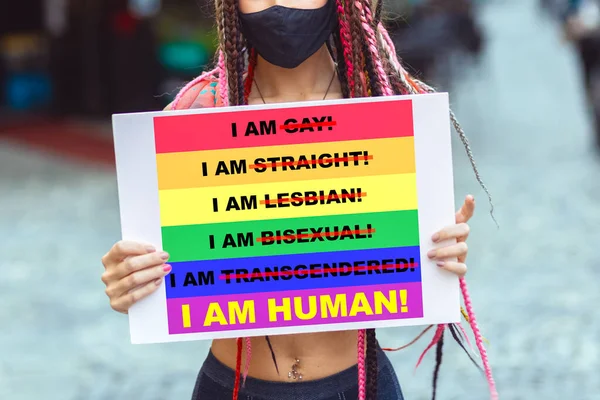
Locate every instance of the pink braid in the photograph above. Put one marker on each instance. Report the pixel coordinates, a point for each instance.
(465, 335)
(347, 47)
(478, 339)
(190, 85)
(434, 341)
(361, 365)
(223, 93)
(365, 17)
(248, 358)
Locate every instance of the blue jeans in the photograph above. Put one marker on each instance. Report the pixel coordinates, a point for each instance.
(215, 382)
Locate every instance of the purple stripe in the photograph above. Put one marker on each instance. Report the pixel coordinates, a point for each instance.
(199, 306)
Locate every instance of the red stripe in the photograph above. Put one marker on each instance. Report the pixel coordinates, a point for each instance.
(354, 121)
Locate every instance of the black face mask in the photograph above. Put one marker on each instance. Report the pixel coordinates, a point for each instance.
(287, 37)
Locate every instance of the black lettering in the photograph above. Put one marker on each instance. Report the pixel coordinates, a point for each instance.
(267, 238)
(288, 236)
(286, 277)
(259, 165)
(246, 203)
(273, 162)
(301, 268)
(190, 279)
(301, 232)
(297, 199)
(206, 278)
(268, 203)
(227, 273)
(314, 268)
(401, 261)
(371, 264)
(268, 127)
(251, 129)
(238, 167)
(244, 272)
(345, 268)
(316, 234)
(357, 270)
(306, 125)
(385, 269)
(283, 200)
(316, 119)
(290, 121)
(257, 274)
(287, 162)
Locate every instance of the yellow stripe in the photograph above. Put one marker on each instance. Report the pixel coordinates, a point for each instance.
(195, 206)
(185, 314)
(184, 170)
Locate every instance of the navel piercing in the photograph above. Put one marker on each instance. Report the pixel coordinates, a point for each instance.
(294, 374)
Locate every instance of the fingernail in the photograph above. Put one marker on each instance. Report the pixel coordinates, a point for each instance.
(158, 282)
(435, 237)
(150, 249)
(167, 268)
(431, 254)
(164, 255)
(440, 263)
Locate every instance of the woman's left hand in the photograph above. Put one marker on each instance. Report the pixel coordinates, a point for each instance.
(460, 232)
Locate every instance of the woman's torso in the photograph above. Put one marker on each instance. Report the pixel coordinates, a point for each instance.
(320, 354)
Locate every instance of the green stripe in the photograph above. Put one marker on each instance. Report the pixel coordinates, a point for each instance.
(192, 242)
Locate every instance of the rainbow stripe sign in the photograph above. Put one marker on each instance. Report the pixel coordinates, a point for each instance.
(290, 218)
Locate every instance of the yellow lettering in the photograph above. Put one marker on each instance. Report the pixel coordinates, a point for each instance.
(390, 304)
(360, 304)
(214, 314)
(185, 315)
(339, 306)
(285, 308)
(248, 312)
(312, 308)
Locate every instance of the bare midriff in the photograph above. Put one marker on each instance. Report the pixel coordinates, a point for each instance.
(320, 354)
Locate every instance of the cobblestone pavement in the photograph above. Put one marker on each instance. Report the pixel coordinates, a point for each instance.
(535, 282)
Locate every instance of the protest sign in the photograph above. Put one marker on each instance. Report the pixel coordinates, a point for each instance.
(290, 218)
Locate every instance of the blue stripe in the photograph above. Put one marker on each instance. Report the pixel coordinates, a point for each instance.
(189, 271)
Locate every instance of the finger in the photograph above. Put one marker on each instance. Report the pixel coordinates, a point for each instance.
(457, 268)
(139, 263)
(458, 250)
(451, 232)
(124, 249)
(123, 303)
(137, 279)
(466, 211)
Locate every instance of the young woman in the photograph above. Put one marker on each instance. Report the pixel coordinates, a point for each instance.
(281, 51)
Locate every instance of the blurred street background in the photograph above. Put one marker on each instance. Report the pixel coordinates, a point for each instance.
(516, 83)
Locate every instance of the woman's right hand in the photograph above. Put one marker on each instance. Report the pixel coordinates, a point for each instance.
(132, 271)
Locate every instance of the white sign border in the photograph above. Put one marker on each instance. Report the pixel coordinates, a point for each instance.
(140, 214)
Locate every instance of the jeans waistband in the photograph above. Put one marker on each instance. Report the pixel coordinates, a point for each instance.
(307, 390)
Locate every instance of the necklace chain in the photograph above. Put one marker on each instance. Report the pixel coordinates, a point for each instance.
(324, 97)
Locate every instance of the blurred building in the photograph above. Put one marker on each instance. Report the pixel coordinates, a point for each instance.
(97, 57)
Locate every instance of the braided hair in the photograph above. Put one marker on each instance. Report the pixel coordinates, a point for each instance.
(367, 65)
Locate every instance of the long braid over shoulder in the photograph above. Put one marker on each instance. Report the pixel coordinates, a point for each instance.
(367, 64)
